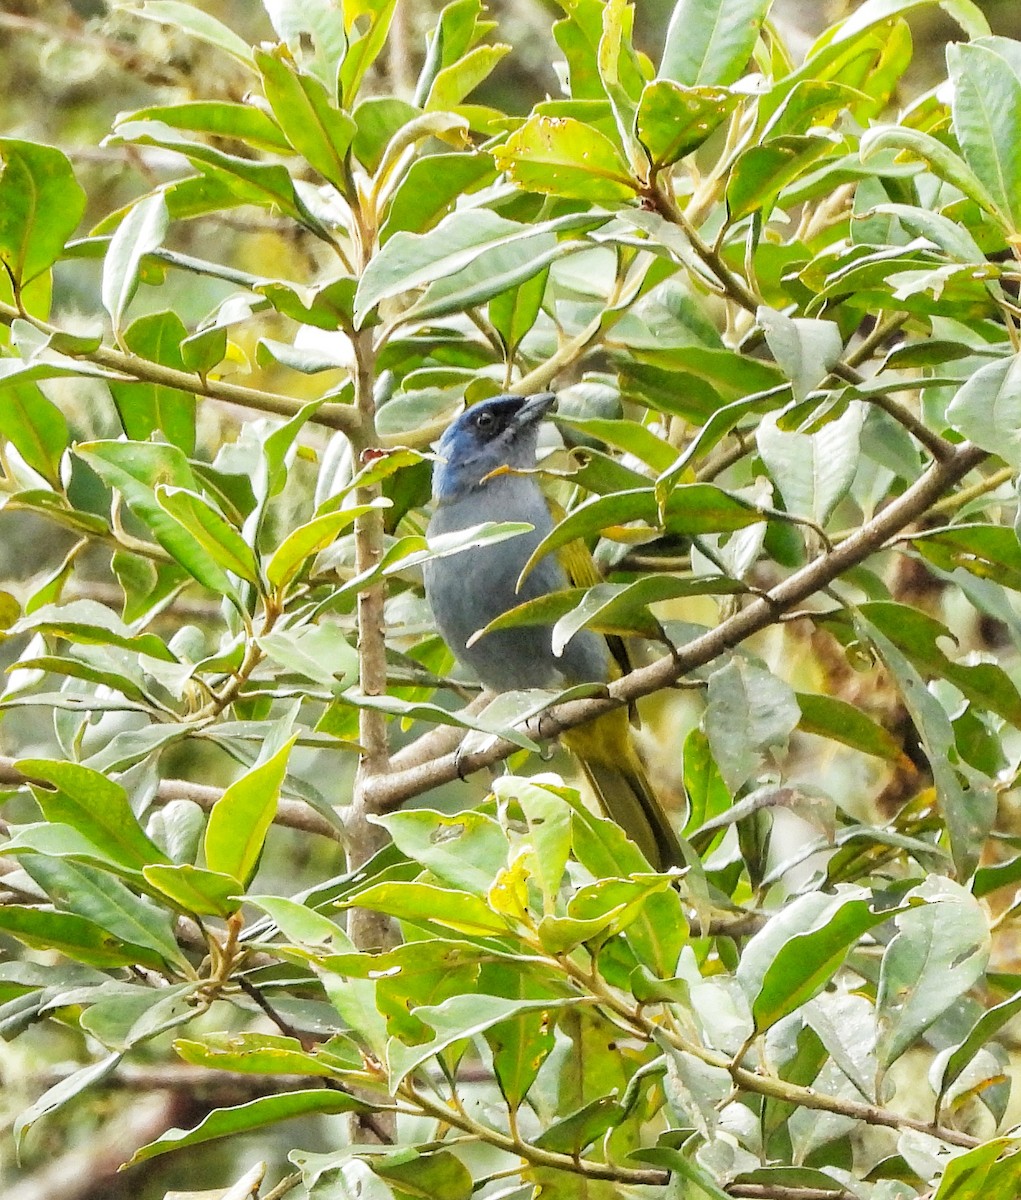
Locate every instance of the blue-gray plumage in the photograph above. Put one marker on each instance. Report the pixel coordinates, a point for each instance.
(469, 589)
(482, 474)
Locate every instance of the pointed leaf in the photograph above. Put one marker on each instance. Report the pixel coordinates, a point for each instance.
(41, 204)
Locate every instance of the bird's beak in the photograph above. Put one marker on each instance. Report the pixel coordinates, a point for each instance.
(534, 409)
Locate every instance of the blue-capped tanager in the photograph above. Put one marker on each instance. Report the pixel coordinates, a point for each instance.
(478, 477)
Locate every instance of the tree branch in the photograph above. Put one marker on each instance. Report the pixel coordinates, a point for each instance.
(132, 367)
(390, 792)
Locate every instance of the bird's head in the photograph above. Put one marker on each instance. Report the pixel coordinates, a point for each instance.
(500, 432)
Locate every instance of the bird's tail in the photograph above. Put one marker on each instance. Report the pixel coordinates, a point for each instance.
(607, 756)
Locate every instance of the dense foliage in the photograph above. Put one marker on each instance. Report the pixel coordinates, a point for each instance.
(783, 323)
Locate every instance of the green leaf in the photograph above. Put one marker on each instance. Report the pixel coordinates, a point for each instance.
(302, 105)
(982, 1032)
(412, 1174)
(371, 18)
(74, 669)
(459, 27)
(307, 540)
(378, 119)
(426, 904)
(460, 1017)
(615, 903)
(55, 839)
(34, 425)
(660, 930)
(750, 712)
(805, 350)
(514, 312)
(708, 795)
(211, 530)
(135, 469)
(204, 350)
(986, 107)
(58, 1095)
(240, 819)
(716, 428)
(75, 937)
(454, 83)
(130, 1015)
(561, 935)
(467, 259)
(467, 850)
(147, 586)
(560, 156)
(256, 1114)
(94, 805)
(875, 12)
(431, 188)
(762, 172)
(14, 372)
(267, 185)
(148, 408)
(810, 103)
(673, 121)
(354, 999)
(711, 41)
(205, 893)
(141, 232)
(691, 509)
(219, 118)
(622, 78)
(412, 975)
(500, 718)
(578, 37)
(41, 204)
(969, 810)
(676, 1162)
(918, 636)
(413, 551)
(318, 652)
(813, 471)
(626, 435)
(941, 159)
(618, 608)
(940, 951)
(98, 896)
(520, 1046)
(252, 1054)
(830, 717)
(991, 1171)
(131, 746)
(574, 1133)
(91, 623)
(549, 830)
(987, 409)
(986, 551)
(800, 949)
(199, 24)
(314, 24)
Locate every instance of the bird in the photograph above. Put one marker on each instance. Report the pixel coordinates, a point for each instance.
(485, 470)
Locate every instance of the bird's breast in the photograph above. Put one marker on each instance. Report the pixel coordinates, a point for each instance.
(471, 588)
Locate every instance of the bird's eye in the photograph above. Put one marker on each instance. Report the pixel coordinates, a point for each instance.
(484, 420)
